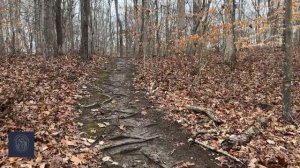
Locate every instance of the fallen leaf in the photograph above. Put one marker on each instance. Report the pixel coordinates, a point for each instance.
(94, 110)
(76, 161)
(39, 158)
(106, 159)
(144, 112)
(101, 125)
(70, 143)
(122, 127)
(270, 142)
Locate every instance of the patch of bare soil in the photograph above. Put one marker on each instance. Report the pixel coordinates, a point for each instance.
(129, 129)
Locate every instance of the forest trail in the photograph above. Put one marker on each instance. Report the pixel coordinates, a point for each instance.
(130, 129)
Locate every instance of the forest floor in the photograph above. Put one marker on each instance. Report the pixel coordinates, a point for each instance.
(107, 113)
(130, 130)
(39, 96)
(88, 114)
(247, 101)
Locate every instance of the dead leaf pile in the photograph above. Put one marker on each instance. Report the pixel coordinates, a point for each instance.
(38, 95)
(238, 98)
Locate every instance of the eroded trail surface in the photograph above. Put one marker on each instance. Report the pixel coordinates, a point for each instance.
(133, 130)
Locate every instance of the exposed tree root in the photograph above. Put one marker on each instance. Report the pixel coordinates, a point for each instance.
(125, 136)
(127, 150)
(122, 143)
(96, 103)
(222, 152)
(87, 106)
(107, 100)
(96, 88)
(247, 135)
(155, 160)
(208, 112)
(210, 131)
(128, 116)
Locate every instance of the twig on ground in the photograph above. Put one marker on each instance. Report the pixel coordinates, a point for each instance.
(107, 100)
(208, 112)
(87, 106)
(97, 88)
(105, 147)
(210, 131)
(122, 136)
(222, 152)
(246, 135)
(130, 115)
(155, 159)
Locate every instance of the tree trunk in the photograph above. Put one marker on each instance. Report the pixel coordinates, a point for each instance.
(157, 29)
(120, 29)
(110, 29)
(91, 31)
(167, 29)
(84, 46)
(70, 25)
(37, 30)
(49, 27)
(136, 30)
(59, 35)
(12, 27)
(230, 48)
(146, 31)
(287, 62)
(2, 44)
(141, 43)
(181, 17)
(126, 29)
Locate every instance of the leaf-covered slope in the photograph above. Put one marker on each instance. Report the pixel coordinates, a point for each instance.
(238, 98)
(38, 96)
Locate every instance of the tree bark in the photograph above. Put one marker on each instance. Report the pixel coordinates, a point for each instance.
(181, 17)
(126, 29)
(230, 48)
(120, 29)
(70, 25)
(84, 46)
(141, 43)
(167, 28)
(136, 30)
(246, 135)
(12, 27)
(157, 28)
(49, 27)
(58, 24)
(287, 62)
(2, 44)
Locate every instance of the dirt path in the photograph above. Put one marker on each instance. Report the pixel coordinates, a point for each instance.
(132, 129)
